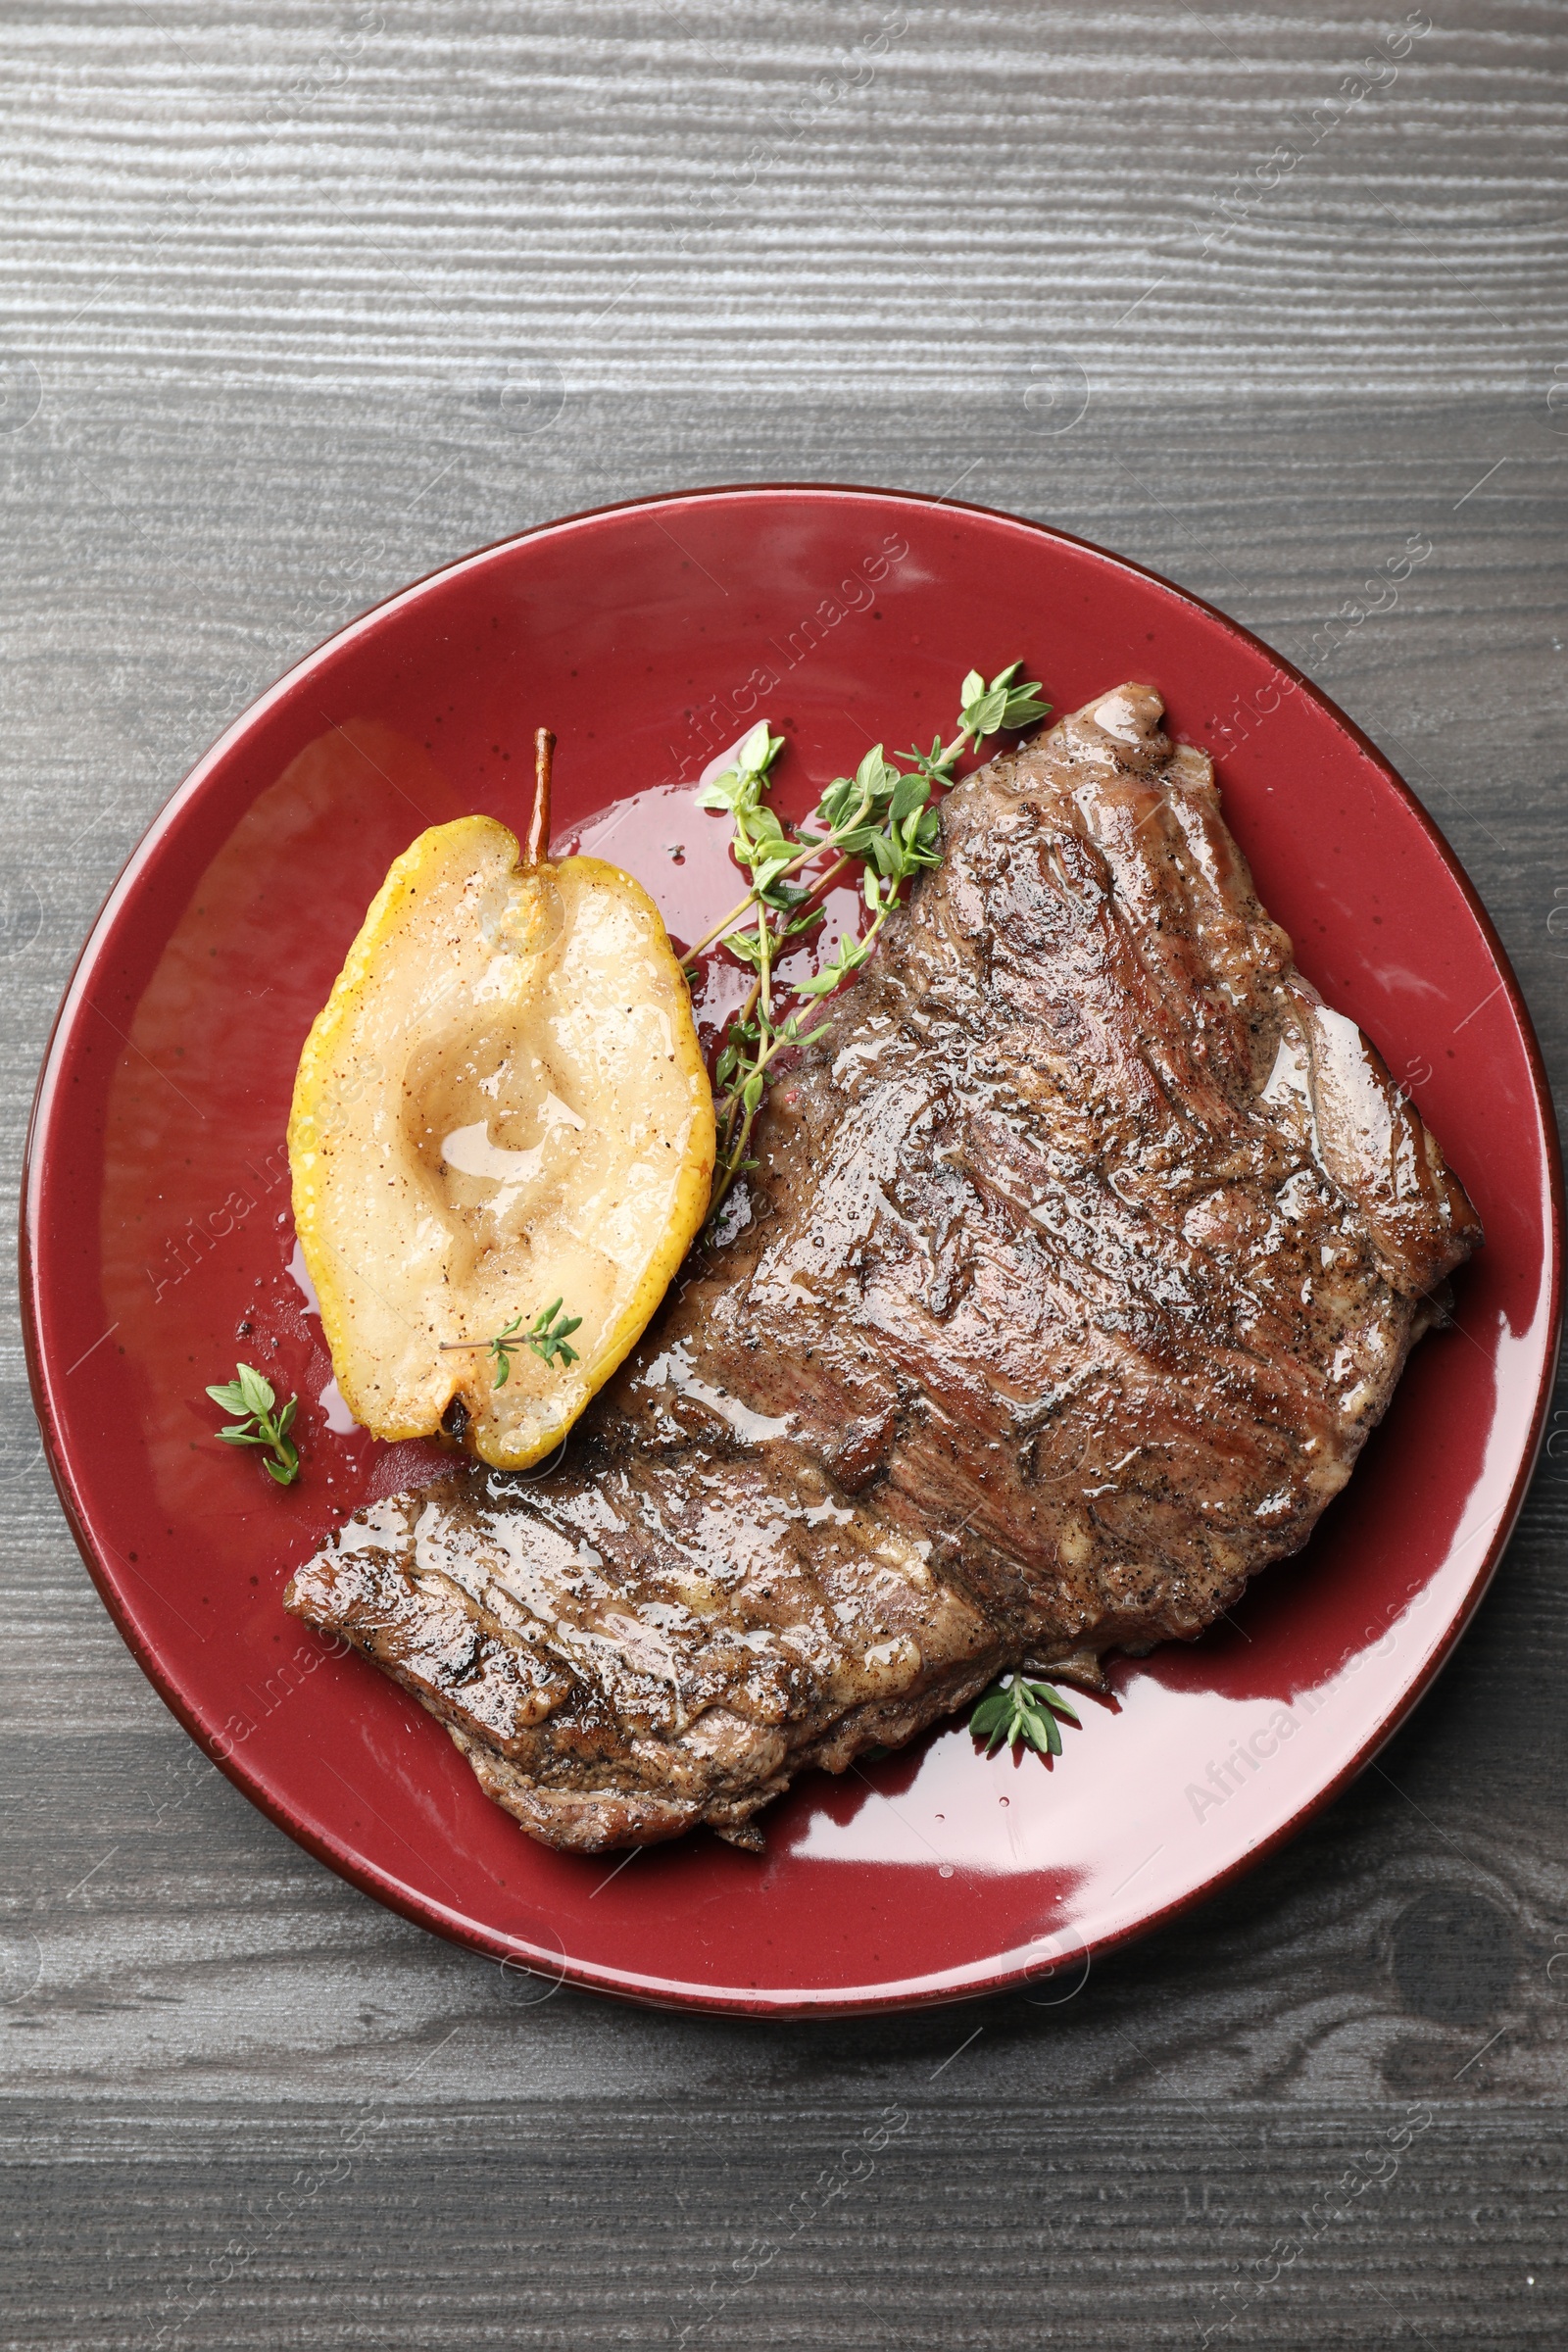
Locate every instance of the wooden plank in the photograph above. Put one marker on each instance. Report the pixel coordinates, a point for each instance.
(795, 2219)
(687, 197)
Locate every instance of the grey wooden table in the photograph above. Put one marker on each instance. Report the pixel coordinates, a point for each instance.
(301, 300)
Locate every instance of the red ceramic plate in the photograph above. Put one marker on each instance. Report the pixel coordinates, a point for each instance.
(156, 1239)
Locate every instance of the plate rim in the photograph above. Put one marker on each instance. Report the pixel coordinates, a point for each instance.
(1002, 1973)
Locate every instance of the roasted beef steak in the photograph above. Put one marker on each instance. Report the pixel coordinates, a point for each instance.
(1084, 1251)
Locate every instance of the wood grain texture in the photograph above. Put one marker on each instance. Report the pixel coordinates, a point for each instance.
(302, 301)
(732, 2225)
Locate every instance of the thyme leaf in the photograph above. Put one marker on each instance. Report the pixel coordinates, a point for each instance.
(986, 710)
(547, 1336)
(1017, 1708)
(252, 1398)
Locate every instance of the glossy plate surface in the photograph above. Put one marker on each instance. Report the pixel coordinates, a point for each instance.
(157, 1240)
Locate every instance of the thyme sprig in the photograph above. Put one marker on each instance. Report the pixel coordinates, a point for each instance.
(547, 1336)
(1017, 1708)
(766, 851)
(249, 1394)
(883, 814)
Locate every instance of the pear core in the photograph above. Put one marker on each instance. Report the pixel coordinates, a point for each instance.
(502, 1104)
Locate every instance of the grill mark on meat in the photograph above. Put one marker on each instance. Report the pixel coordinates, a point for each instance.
(1084, 1251)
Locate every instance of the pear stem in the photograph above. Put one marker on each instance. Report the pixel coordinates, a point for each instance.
(544, 751)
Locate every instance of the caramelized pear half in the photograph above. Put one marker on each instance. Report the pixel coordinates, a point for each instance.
(502, 1105)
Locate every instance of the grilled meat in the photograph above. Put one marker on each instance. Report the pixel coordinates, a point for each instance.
(1084, 1251)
